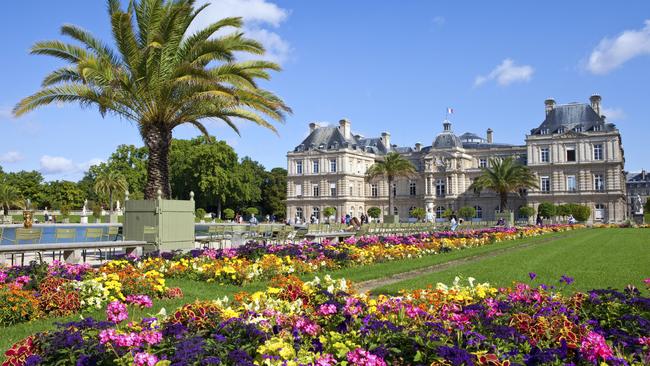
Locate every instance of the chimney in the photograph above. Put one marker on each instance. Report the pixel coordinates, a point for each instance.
(418, 146)
(643, 175)
(490, 135)
(385, 139)
(595, 103)
(549, 105)
(446, 125)
(312, 127)
(344, 127)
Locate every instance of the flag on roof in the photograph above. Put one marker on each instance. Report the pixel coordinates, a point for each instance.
(450, 110)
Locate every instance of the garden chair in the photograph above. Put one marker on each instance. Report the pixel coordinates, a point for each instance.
(93, 234)
(61, 234)
(113, 231)
(31, 235)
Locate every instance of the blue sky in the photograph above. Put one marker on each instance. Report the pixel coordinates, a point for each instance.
(386, 65)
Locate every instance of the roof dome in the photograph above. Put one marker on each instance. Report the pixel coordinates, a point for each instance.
(447, 139)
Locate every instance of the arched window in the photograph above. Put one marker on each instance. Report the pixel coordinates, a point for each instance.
(316, 212)
(299, 212)
(439, 211)
(479, 212)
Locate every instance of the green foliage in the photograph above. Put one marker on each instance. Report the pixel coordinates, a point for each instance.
(546, 210)
(447, 213)
(329, 211)
(646, 206)
(252, 211)
(59, 193)
(9, 198)
(580, 212)
(392, 167)
(467, 212)
(526, 211)
(374, 212)
(200, 213)
(65, 210)
(96, 208)
(418, 213)
(563, 210)
(504, 176)
(28, 185)
(229, 214)
(112, 184)
(160, 75)
(274, 192)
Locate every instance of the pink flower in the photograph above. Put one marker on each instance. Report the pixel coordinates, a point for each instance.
(151, 336)
(594, 346)
(644, 341)
(351, 306)
(3, 277)
(325, 360)
(647, 282)
(361, 357)
(307, 326)
(107, 335)
(327, 309)
(144, 359)
(116, 312)
(142, 301)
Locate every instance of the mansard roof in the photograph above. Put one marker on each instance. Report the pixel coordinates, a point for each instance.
(573, 116)
(638, 177)
(331, 138)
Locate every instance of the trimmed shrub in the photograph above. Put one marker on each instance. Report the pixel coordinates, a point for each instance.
(418, 213)
(229, 214)
(546, 210)
(329, 211)
(200, 213)
(374, 212)
(467, 212)
(581, 213)
(526, 211)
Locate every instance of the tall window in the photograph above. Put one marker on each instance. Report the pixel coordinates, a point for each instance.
(599, 182)
(351, 190)
(439, 211)
(315, 166)
(373, 190)
(333, 189)
(333, 165)
(571, 183)
(395, 211)
(298, 166)
(545, 185)
(299, 212)
(316, 212)
(482, 163)
(412, 188)
(544, 155)
(440, 188)
(315, 190)
(394, 189)
(479, 212)
(570, 154)
(598, 151)
(298, 190)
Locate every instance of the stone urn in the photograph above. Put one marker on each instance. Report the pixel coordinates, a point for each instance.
(28, 219)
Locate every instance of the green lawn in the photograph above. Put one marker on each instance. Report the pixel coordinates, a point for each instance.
(596, 258)
(193, 290)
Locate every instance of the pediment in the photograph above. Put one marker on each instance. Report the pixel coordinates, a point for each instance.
(572, 134)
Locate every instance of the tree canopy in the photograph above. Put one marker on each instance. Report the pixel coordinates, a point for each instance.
(504, 176)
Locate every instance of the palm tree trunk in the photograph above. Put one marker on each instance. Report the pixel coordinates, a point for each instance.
(390, 197)
(158, 140)
(5, 209)
(110, 201)
(504, 201)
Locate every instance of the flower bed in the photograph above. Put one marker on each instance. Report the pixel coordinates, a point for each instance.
(59, 289)
(255, 261)
(324, 322)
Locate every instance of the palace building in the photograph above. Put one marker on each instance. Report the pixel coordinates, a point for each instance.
(575, 153)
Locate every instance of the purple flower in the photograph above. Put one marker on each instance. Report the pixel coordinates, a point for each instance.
(566, 279)
(532, 275)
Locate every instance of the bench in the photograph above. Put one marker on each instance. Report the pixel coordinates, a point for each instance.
(69, 249)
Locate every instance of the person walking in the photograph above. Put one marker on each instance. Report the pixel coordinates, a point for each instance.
(454, 221)
(539, 221)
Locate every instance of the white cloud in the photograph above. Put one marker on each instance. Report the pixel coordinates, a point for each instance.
(56, 165)
(11, 157)
(257, 15)
(506, 73)
(613, 113)
(439, 21)
(612, 53)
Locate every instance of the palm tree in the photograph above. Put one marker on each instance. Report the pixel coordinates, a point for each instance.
(505, 175)
(393, 166)
(109, 182)
(160, 76)
(9, 197)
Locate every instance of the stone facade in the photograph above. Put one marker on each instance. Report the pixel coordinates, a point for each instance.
(576, 154)
(638, 184)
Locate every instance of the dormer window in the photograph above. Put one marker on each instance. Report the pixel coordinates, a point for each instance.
(579, 128)
(543, 131)
(598, 127)
(560, 130)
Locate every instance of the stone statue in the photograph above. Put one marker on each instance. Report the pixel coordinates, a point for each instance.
(117, 206)
(84, 210)
(637, 205)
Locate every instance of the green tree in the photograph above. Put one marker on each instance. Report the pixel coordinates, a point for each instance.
(229, 214)
(110, 183)
(467, 212)
(579, 212)
(447, 213)
(329, 212)
(374, 212)
(60, 193)
(563, 210)
(252, 211)
(200, 213)
(526, 211)
(29, 185)
(393, 166)
(160, 76)
(274, 192)
(546, 210)
(418, 213)
(9, 197)
(504, 176)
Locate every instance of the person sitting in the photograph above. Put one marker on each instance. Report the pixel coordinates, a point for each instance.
(453, 221)
(355, 225)
(572, 220)
(253, 220)
(501, 222)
